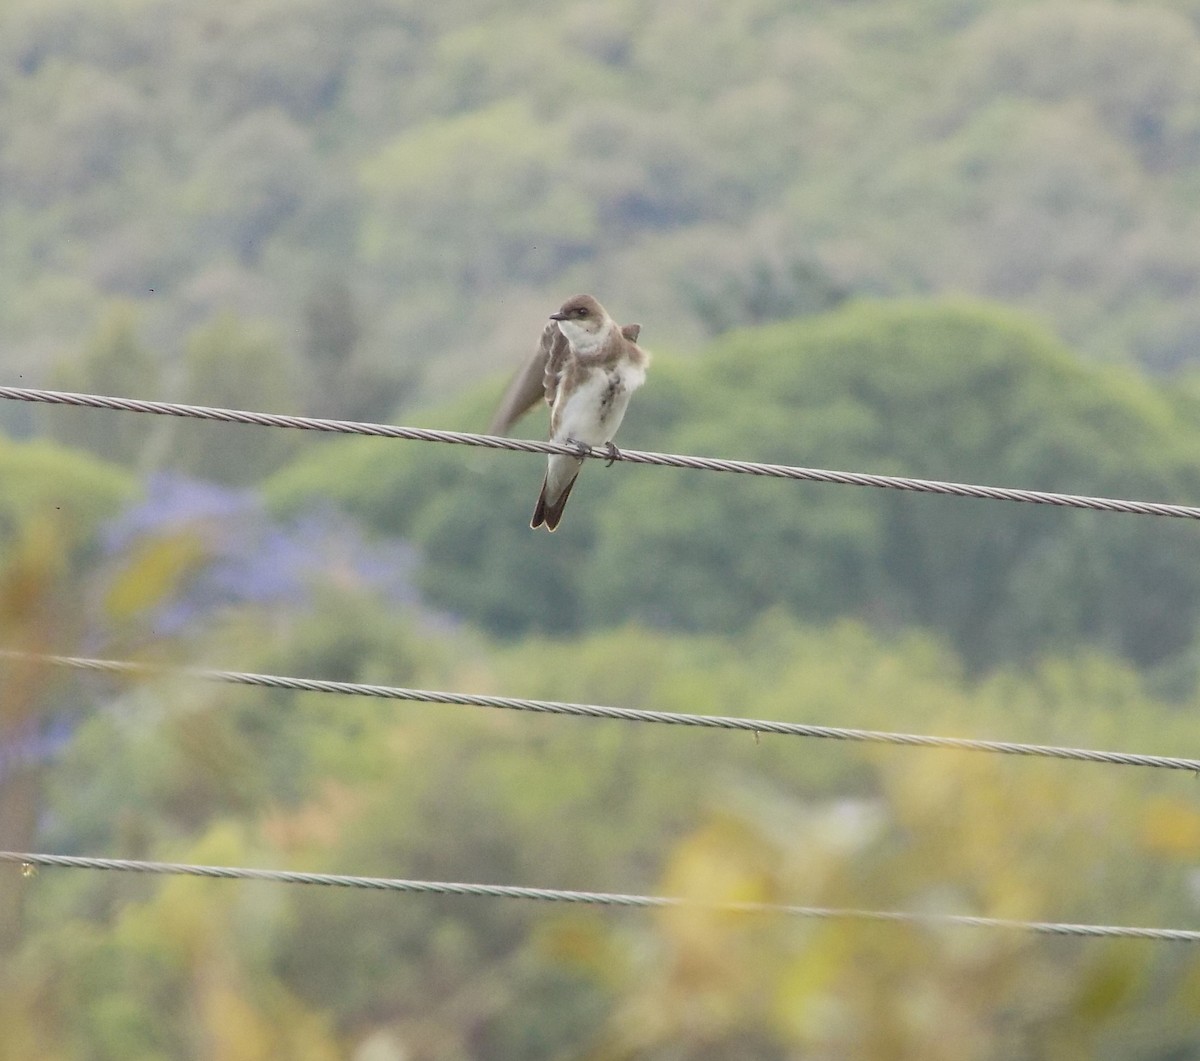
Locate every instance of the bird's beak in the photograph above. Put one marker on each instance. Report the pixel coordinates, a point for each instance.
(558, 316)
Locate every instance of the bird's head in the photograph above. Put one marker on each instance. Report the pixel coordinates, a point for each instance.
(581, 317)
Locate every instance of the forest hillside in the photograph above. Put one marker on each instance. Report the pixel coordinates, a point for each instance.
(951, 239)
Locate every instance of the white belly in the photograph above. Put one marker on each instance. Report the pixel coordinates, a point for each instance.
(593, 411)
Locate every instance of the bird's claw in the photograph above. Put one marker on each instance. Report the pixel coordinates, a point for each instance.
(584, 450)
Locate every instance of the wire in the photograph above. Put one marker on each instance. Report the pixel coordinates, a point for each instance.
(665, 460)
(625, 714)
(554, 895)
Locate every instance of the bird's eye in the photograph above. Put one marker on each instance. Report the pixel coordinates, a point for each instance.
(582, 311)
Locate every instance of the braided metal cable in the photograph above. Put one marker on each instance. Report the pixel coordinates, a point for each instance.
(553, 707)
(665, 460)
(555, 895)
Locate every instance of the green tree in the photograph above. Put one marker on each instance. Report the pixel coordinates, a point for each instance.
(1138, 69)
(251, 181)
(437, 212)
(40, 480)
(345, 382)
(236, 776)
(52, 501)
(115, 362)
(231, 362)
(939, 391)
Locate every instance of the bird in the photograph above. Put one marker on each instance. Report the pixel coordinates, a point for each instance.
(528, 386)
(589, 366)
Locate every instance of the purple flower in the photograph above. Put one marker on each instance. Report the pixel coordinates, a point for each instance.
(34, 741)
(247, 558)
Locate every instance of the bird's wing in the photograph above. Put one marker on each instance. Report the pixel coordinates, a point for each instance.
(558, 352)
(540, 376)
(529, 384)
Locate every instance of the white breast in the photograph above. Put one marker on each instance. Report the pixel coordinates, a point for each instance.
(583, 341)
(594, 410)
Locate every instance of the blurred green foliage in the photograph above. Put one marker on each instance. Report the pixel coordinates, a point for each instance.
(43, 482)
(666, 590)
(952, 391)
(115, 362)
(215, 774)
(701, 165)
(231, 363)
(345, 208)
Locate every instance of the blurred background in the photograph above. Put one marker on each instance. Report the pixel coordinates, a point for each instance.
(957, 239)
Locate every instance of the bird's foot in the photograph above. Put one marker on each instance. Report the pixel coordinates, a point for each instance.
(582, 448)
(613, 453)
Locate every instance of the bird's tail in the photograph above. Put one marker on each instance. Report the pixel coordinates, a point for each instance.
(549, 512)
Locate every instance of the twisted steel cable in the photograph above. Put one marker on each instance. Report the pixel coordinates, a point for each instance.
(665, 460)
(555, 895)
(624, 714)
